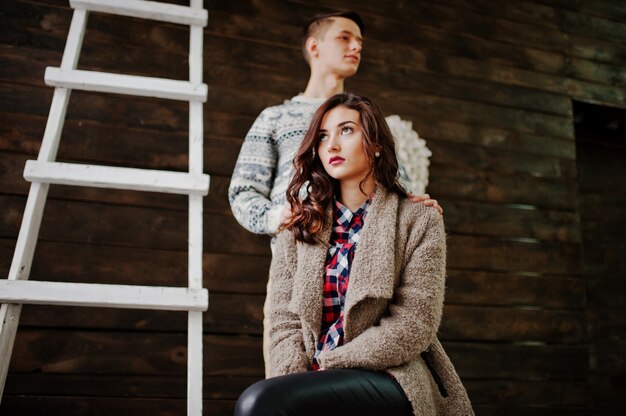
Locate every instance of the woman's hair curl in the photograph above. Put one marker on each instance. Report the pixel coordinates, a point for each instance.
(309, 214)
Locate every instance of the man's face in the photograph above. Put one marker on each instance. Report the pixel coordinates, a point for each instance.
(339, 49)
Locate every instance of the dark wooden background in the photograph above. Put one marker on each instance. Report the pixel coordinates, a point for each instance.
(489, 84)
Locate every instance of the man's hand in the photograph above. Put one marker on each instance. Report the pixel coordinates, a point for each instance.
(426, 200)
(285, 214)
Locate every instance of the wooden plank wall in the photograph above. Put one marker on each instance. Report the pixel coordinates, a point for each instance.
(601, 153)
(487, 83)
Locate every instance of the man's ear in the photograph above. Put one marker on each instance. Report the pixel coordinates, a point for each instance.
(312, 46)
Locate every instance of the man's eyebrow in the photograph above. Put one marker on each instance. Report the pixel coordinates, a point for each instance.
(360, 39)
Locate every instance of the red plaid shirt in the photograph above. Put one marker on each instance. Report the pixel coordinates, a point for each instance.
(347, 227)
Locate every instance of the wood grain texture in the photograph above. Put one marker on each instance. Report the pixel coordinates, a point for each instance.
(601, 150)
(488, 85)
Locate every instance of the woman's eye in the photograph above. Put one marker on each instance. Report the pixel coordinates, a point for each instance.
(323, 137)
(346, 129)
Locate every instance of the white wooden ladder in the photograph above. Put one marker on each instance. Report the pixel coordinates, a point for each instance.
(17, 290)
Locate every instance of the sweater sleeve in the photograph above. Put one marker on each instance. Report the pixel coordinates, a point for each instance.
(287, 352)
(415, 313)
(253, 178)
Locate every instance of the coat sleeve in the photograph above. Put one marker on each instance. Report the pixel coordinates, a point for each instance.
(287, 352)
(415, 313)
(253, 178)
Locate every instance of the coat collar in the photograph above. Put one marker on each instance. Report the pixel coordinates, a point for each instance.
(372, 274)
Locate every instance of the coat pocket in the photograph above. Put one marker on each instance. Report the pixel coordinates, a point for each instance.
(433, 372)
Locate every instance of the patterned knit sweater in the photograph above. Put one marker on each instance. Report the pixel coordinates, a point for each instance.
(258, 187)
(257, 191)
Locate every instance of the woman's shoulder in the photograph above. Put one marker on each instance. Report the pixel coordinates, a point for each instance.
(286, 243)
(285, 239)
(401, 210)
(418, 219)
(415, 212)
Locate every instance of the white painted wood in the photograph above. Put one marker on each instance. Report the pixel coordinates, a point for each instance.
(146, 10)
(193, 299)
(125, 84)
(31, 221)
(60, 99)
(196, 127)
(9, 317)
(196, 152)
(196, 40)
(74, 41)
(116, 178)
(194, 364)
(195, 241)
(54, 124)
(104, 296)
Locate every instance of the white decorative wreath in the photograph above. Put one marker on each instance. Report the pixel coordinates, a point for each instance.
(412, 154)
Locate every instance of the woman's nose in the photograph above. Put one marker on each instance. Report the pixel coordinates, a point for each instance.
(333, 145)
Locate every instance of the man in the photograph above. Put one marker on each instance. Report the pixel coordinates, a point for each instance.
(332, 45)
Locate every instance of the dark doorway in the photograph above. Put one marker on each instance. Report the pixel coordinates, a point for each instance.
(601, 162)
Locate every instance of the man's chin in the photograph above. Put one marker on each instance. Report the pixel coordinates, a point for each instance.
(350, 71)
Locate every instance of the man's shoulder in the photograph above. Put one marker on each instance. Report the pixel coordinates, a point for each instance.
(277, 108)
(291, 107)
(269, 118)
(289, 115)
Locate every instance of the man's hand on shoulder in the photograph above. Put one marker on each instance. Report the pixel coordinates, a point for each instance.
(428, 201)
(285, 214)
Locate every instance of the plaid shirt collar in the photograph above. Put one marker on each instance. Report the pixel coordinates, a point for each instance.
(347, 226)
(342, 215)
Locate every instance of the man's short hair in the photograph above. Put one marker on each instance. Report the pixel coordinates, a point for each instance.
(320, 21)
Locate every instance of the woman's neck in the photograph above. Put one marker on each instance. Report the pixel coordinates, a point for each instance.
(350, 194)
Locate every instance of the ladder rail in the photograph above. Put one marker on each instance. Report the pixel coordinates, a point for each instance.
(44, 171)
(195, 220)
(35, 204)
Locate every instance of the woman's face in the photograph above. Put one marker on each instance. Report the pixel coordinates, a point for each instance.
(341, 145)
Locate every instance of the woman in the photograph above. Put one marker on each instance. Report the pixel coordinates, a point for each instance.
(357, 283)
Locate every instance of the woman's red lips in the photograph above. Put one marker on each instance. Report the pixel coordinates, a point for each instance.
(335, 159)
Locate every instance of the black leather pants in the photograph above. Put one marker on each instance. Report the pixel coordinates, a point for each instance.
(341, 392)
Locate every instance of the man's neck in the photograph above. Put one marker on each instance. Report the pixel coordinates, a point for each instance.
(323, 86)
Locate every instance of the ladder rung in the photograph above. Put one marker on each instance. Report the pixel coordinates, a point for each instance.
(125, 84)
(145, 10)
(106, 296)
(116, 178)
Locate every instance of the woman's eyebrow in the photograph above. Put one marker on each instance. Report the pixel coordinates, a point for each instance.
(343, 123)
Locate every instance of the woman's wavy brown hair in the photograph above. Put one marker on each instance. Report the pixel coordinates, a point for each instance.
(309, 213)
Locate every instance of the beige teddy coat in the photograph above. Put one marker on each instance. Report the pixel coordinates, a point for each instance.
(393, 305)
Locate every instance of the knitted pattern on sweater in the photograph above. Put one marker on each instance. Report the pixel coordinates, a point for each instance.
(257, 191)
(258, 186)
